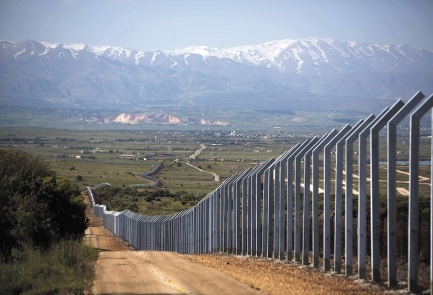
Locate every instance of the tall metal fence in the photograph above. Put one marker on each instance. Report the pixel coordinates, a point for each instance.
(281, 208)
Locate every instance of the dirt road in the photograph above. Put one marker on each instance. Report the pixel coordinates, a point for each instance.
(119, 269)
(215, 176)
(153, 272)
(197, 152)
(195, 155)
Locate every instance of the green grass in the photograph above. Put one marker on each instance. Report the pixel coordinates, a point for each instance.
(225, 155)
(66, 268)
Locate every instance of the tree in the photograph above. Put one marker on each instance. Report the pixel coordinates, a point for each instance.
(37, 207)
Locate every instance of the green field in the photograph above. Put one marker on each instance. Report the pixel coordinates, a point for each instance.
(90, 157)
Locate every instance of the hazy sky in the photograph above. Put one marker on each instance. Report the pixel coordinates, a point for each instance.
(171, 24)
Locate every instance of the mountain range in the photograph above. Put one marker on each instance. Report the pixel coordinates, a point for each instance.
(313, 73)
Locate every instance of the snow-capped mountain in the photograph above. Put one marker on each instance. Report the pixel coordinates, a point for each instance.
(91, 76)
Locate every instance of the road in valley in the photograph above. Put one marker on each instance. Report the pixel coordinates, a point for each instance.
(194, 156)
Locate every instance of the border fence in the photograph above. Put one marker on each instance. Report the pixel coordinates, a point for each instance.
(273, 211)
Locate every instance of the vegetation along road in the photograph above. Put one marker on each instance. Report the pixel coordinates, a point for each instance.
(120, 269)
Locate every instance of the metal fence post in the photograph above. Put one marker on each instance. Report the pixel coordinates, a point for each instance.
(315, 197)
(362, 197)
(231, 214)
(307, 202)
(209, 223)
(431, 206)
(270, 232)
(282, 207)
(259, 200)
(306, 213)
(277, 197)
(349, 195)
(215, 221)
(244, 216)
(224, 203)
(237, 235)
(252, 215)
(278, 203)
(392, 185)
(236, 215)
(413, 194)
(265, 216)
(307, 205)
(339, 163)
(374, 188)
(219, 219)
(327, 196)
(289, 202)
(299, 154)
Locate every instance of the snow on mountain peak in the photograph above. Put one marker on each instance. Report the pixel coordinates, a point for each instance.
(73, 46)
(115, 77)
(50, 45)
(268, 54)
(112, 51)
(310, 55)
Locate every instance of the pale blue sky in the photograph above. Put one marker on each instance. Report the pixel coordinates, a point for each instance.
(171, 24)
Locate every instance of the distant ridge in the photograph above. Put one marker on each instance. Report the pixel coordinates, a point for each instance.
(78, 75)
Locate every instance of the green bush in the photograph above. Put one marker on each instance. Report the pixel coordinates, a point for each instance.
(129, 198)
(38, 207)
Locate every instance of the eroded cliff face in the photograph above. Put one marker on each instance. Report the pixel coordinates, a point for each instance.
(210, 122)
(152, 118)
(197, 121)
(122, 118)
(163, 119)
(125, 118)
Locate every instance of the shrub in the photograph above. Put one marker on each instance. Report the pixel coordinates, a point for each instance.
(38, 207)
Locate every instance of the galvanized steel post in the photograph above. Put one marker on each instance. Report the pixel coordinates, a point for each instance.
(339, 163)
(349, 195)
(362, 197)
(315, 197)
(392, 185)
(374, 187)
(299, 154)
(327, 196)
(413, 229)
(289, 202)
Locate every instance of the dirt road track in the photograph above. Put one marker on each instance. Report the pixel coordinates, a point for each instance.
(215, 176)
(152, 272)
(120, 270)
